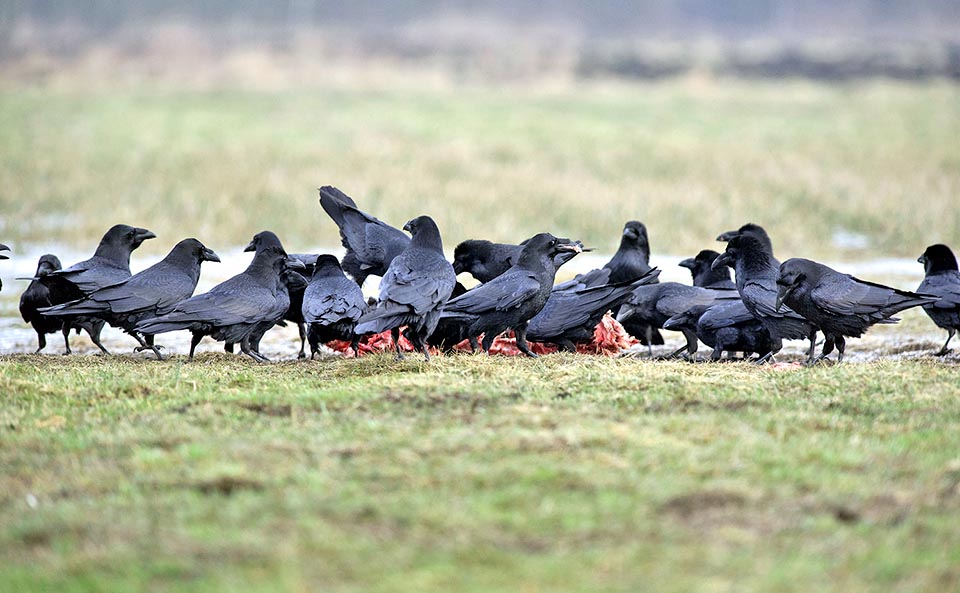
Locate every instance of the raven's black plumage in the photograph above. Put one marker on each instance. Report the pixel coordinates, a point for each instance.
(756, 275)
(37, 296)
(651, 306)
(232, 310)
(941, 278)
(332, 304)
(150, 293)
(414, 288)
(570, 316)
(726, 326)
(704, 275)
(371, 244)
(109, 265)
(838, 304)
(510, 300)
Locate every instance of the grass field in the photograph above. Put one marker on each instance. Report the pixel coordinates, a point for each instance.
(477, 474)
(473, 473)
(690, 158)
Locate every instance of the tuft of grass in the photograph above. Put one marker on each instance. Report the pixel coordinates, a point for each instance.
(690, 158)
(476, 474)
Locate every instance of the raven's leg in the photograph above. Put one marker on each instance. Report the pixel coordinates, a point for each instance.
(943, 351)
(228, 347)
(776, 346)
(828, 344)
(474, 344)
(520, 332)
(690, 346)
(764, 359)
(355, 344)
(567, 346)
(313, 340)
(303, 340)
(246, 348)
(94, 332)
(66, 338)
(41, 341)
(488, 338)
(420, 343)
(146, 343)
(648, 334)
(716, 354)
(395, 334)
(194, 341)
(156, 349)
(675, 353)
(841, 346)
(813, 347)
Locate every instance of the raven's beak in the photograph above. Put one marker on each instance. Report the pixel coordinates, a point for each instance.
(250, 247)
(292, 263)
(922, 260)
(671, 323)
(209, 255)
(406, 227)
(727, 236)
(625, 313)
(144, 234)
(573, 247)
(688, 263)
(457, 267)
(4, 248)
(782, 293)
(725, 259)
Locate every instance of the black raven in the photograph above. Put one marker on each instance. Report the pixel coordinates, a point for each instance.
(650, 306)
(147, 294)
(371, 244)
(756, 275)
(942, 279)
(232, 310)
(295, 284)
(838, 304)
(571, 316)
(414, 289)
(485, 260)
(704, 275)
(726, 326)
(513, 298)
(109, 265)
(630, 262)
(37, 296)
(332, 304)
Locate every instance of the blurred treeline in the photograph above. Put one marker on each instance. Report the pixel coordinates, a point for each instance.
(818, 39)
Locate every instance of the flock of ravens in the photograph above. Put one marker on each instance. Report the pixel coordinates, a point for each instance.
(419, 293)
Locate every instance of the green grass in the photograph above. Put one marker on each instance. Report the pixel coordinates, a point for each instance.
(477, 474)
(690, 158)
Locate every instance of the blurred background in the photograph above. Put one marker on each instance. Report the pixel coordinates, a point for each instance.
(834, 124)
